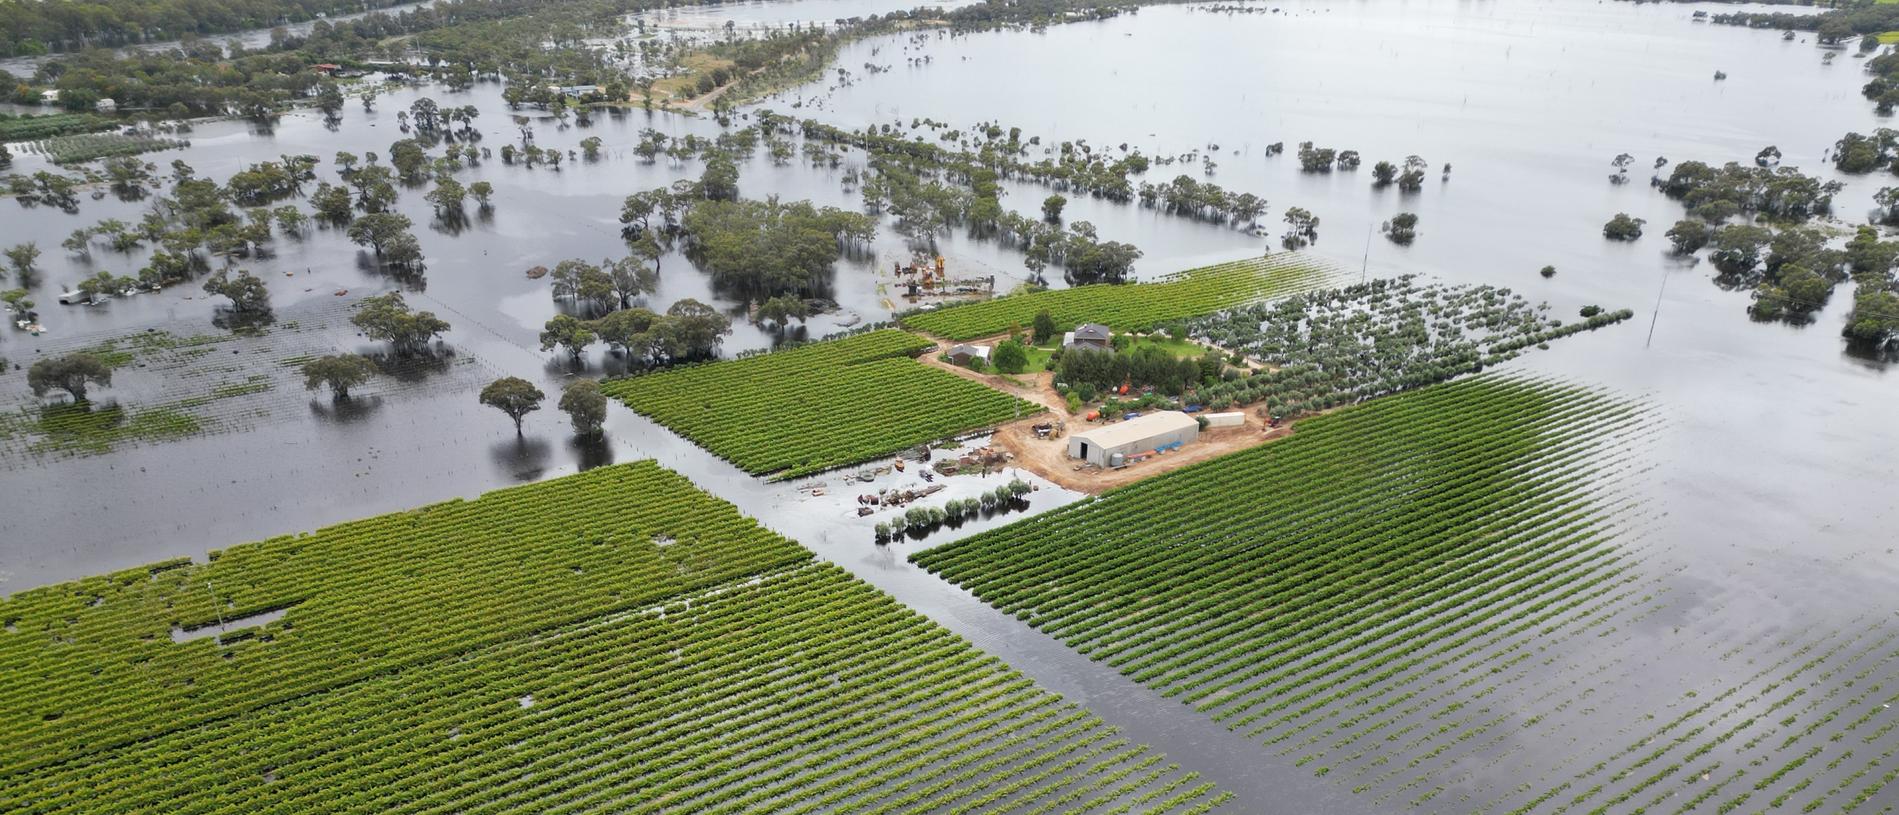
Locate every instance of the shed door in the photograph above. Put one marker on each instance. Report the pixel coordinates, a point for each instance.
(1084, 451)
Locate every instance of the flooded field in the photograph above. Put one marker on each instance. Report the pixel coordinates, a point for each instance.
(1762, 526)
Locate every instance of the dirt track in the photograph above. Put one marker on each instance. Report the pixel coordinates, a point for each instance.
(1049, 459)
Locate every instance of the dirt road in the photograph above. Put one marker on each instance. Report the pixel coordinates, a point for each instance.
(1049, 459)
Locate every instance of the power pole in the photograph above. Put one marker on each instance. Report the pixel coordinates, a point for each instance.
(1364, 269)
(1657, 315)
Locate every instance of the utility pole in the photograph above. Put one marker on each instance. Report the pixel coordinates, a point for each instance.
(1364, 269)
(1657, 315)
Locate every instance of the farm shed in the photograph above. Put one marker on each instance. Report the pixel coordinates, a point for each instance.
(1091, 335)
(1167, 428)
(962, 353)
(1234, 419)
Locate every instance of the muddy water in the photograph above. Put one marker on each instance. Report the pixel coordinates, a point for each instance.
(1768, 480)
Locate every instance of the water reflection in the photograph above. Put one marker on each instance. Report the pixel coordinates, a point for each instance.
(345, 410)
(523, 458)
(591, 451)
(413, 367)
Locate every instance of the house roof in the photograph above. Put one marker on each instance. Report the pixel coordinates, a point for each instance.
(1137, 429)
(1092, 331)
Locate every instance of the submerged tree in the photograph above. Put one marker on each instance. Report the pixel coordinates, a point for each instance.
(248, 294)
(1689, 235)
(339, 371)
(719, 182)
(1052, 207)
(1302, 228)
(386, 317)
(781, 310)
(585, 406)
(1623, 227)
(21, 257)
(1402, 228)
(71, 373)
(566, 331)
(103, 283)
(514, 396)
(1875, 318)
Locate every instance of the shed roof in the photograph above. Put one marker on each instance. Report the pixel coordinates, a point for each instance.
(1138, 428)
(973, 350)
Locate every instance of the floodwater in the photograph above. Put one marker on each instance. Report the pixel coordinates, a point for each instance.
(1766, 499)
(757, 14)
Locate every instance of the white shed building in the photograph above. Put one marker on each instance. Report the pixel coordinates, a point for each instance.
(1233, 419)
(1154, 431)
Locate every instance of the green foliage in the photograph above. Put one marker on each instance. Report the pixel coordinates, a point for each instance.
(339, 371)
(1268, 585)
(1875, 317)
(21, 258)
(1713, 193)
(1623, 227)
(566, 331)
(1052, 207)
(689, 330)
(1689, 235)
(1011, 357)
(665, 652)
(1402, 229)
(781, 310)
(34, 128)
(387, 318)
(1134, 307)
(248, 294)
(1044, 327)
(71, 373)
(514, 396)
(1794, 293)
(378, 230)
(758, 250)
(719, 182)
(100, 694)
(1337, 347)
(818, 406)
(89, 147)
(585, 405)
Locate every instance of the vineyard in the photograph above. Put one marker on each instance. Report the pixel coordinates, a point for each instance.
(1135, 306)
(90, 146)
(1340, 346)
(31, 128)
(1315, 591)
(818, 406)
(611, 641)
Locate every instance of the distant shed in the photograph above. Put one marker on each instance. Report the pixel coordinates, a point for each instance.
(1233, 419)
(1154, 431)
(961, 354)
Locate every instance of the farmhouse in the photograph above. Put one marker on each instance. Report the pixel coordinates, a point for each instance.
(962, 353)
(1113, 445)
(1087, 335)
